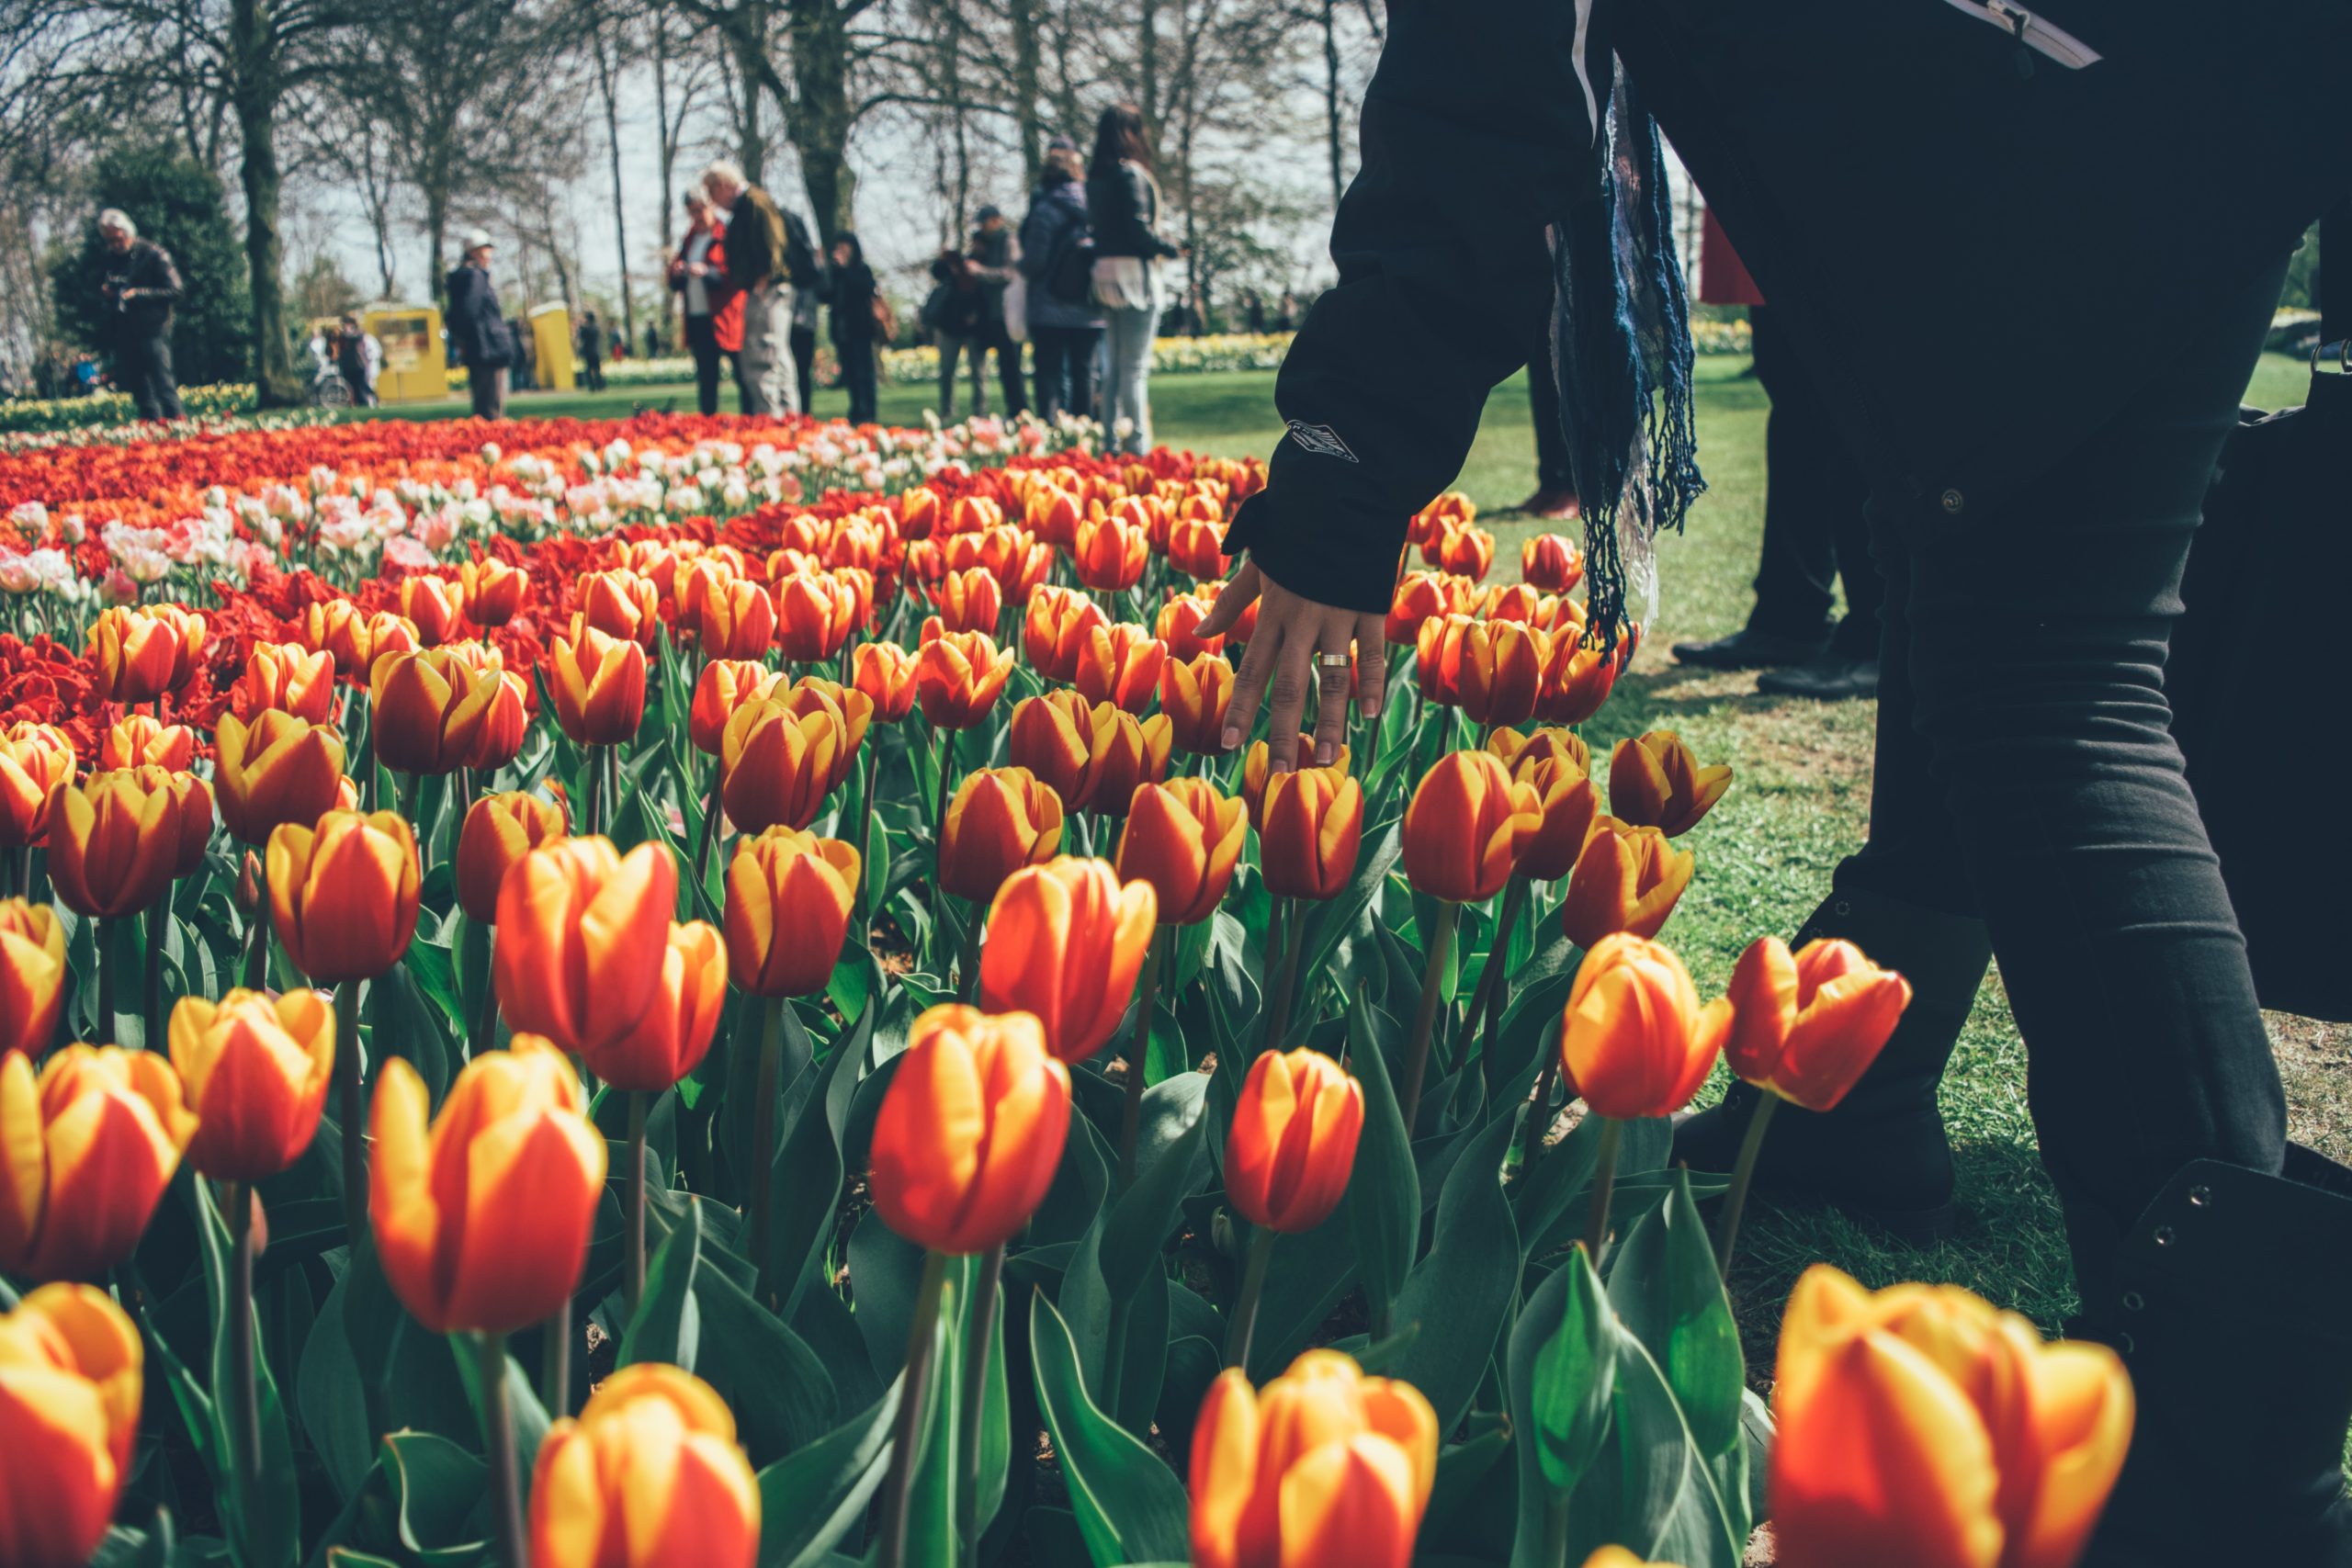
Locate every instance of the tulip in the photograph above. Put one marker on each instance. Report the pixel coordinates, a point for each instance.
(855, 706)
(354, 638)
(1467, 551)
(970, 600)
(1526, 604)
(1517, 747)
(483, 1223)
(673, 1035)
(779, 758)
(1501, 672)
(598, 686)
(696, 582)
(1121, 664)
(277, 769)
(256, 1069)
(583, 933)
(1054, 629)
(1184, 839)
(1193, 695)
(725, 685)
(1001, 819)
(621, 604)
(499, 830)
(1196, 546)
(1258, 767)
(1437, 657)
(970, 1131)
(435, 606)
(1918, 1425)
(1419, 596)
(1177, 620)
(35, 759)
(1324, 1465)
(139, 740)
(1111, 554)
(1617, 1557)
(1310, 829)
(1051, 738)
(1576, 680)
(1570, 807)
(957, 677)
(1626, 879)
(1551, 563)
(504, 726)
(115, 840)
(815, 613)
(886, 673)
(142, 652)
(1066, 941)
(92, 1143)
(1122, 755)
(1635, 1042)
(32, 975)
(428, 708)
(1804, 1027)
(71, 1380)
(1653, 782)
(735, 620)
(1294, 1141)
(494, 590)
(788, 908)
(1466, 826)
(648, 1474)
(287, 675)
(344, 895)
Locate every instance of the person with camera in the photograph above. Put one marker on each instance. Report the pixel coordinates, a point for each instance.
(138, 285)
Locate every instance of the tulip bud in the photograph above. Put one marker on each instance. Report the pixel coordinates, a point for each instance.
(1468, 825)
(855, 706)
(1653, 782)
(957, 677)
(1576, 680)
(1635, 1042)
(1501, 672)
(32, 975)
(1807, 1026)
(92, 1146)
(1551, 563)
(815, 613)
(697, 583)
(1918, 1425)
(499, 830)
(71, 1382)
(1323, 1465)
(435, 607)
(788, 899)
(1121, 664)
(970, 1131)
(276, 769)
(886, 673)
(780, 757)
(1524, 604)
(1184, 838)
(115, 841)
(504, 724)
(256, 1069)
(1066, 941)
(344, 896)
(494, 590)
(137, 741)
(1196, 546)
(725, 685)
(141, 652)
(1518, 748)
(354, 638)
(1258, 767)
(35, 759)
(1051, 738)
(598, 686)
(1194, 695)
(1419, 596)
(1294, 1141)
(1570, 806)
(427, 709)
(621, 604)
(1054, 629)
(736, 621)
(673, 1034)
(1176, 623)
(1466, 551)
(970, 600)
(581, 930)
(648, 1474)
(1124, 754)
(483, 1223)
(1111, 554)
(1626, 879)
(1000, 820)
(1310, 831)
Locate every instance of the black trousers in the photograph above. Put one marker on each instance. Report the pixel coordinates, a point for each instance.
(1008, 359)
(1066, 369)
(591, 371)
(1555, 470)
(1814, 497)
(803, 364)
(486, 385)
(702, 342)
(142, 368)
(858, 372)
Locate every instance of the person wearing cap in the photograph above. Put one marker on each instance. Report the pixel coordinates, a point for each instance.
(992, 255)
(478, 337)
(138, 285)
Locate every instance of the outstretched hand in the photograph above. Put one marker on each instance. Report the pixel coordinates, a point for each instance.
(1284, 656)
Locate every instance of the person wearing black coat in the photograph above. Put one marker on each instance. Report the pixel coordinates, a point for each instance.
(856, 325)
(1122, 200)
(2030, 528)
(139, 285)
(479, 338)
(956, 312)
(1065, 325)
(993, 253)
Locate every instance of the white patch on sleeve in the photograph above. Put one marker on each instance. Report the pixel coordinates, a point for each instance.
(1322, 440)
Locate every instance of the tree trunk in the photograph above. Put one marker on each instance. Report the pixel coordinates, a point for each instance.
(605, 88)
(1148, 68)
(253, 85)
(747, 38)
(1334, 103)
(820, 129)
(1025, 91)
(436, 237)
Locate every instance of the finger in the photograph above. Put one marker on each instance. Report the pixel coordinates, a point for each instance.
(1332, 680)
(1249, 680)
(1231, 600)
(1286, 698)
(1372, 664)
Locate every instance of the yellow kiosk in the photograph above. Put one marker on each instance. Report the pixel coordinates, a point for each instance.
(551, 335)
(415, 364)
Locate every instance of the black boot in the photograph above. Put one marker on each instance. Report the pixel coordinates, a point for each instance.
(1882, 1155)
(2228, 1302)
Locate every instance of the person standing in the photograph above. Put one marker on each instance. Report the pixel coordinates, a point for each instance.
(1816, 532)
(589, 341)
(763, 268)
(1122, 197)
(860, 319)
(951, 312)
(358, 358)
(138, 285)
(477, 328)
(713, 310)
(1056, 257)
(1555, 480)
(992, 255)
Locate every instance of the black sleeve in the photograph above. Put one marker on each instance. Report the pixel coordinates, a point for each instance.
(163, 277)
(1445, 279)
(748, 261)
(1146, 233)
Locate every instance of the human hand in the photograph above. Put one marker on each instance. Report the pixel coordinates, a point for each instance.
(1295, 634)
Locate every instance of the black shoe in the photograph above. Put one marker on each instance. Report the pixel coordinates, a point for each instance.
(2227, 1303)
(1882, 1156)
(1746, 650)
(1829, 679)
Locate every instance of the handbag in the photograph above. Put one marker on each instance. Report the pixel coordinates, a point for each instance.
(2258, 706)
(1121, 283)
(1016, 307)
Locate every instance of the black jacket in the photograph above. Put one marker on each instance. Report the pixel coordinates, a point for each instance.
(852, 303)
(477, 328)
(1125, 208)
(145, 271)
(765, 244)
(1056, 220)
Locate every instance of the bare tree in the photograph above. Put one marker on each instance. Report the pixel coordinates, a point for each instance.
(602, 21)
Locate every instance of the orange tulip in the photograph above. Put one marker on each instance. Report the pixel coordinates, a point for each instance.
(598, 686)
(650, 1474)
(1468, 825)
(34, 759)
(492, 590)
(1111, 554)
(673, 1034)
(1193, 695)
(1124, 754)
(957, 677)
(815, 613)
(256, 1069)
(697, 583)
(1918, 1425)
(813, 691)
(1054, 629)
(1570, 807)
(1196, 546)
(1184, 838)
(1467, 551)
(1121, 664)
(141, 652)
(289, 676)
(886, 673)
(725, 685)
(1635, 1041)
(344, 896)
(970, 600)
(1806, 1026)
(1051, 738)
(1310, 831)
(1420, 595)
(71, 1382)
(1294, 1141)
(970, 1131)
(482, 1221)
(1626, 879)
(788, 899)
(621, 604)
(137, 741)
(354, 638)
(1617, 1557)
(277, 769)
(1176, 622)
(1437, 657)
(189, 821)
(1518, 748)
(428, 708)
(1653, 782)
(1323, 1465)
(1066, 941)
(1501, 672)
(498, 832)
(581, 932)
(1551, 563)
(1258, 767)
(92, 1143)
(115, 840)
(32, 975)
(1000, 820)
(504, 726)
(435, 607)
(1576, 680)
(780, 757)
(1522, 603)
(735, 620)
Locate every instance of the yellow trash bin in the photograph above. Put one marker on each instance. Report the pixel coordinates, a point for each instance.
(551, 335)
(415, 366)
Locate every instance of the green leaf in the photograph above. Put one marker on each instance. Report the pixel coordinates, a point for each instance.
(668, 1325)
(1130, 1506)
(262, 1510)
(811, 1498)
(1384, 1191)
(1338, 915)
(522, 1400)
(333, 1400)
(782, 1396)
(1168, 1162)
(1667, 1291)
(1463, 1290)
(437, 1489)
(1575, 1379)
(806, 1182)
(1648, 1489)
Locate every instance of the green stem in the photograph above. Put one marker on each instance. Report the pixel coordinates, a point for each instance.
(555, 1360)
(1555, 1530)
(1139, 1052)
(764, 1134)
(159, 915)
(710, 833)
(596, 814)
(947, 793)
(976, 1388)
(907, 1432)
(1286, 985)
(1416, 1054)
(1499, 955)
(1604, 1183)
(633, 1263)
(347, 1113)
(1539, 1115)
(863, 906)
(1245, 1306)
(1743, 1173)
(968, 965)
(107, 964)
(485, 1034)
(498, 1440)
(247, 1391)
(258, 938)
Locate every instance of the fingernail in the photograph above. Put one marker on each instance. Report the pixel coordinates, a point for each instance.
(1370, 710)
(1232, 738)
(1324, 752)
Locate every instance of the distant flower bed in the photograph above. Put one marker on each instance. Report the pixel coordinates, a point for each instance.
(102, 409)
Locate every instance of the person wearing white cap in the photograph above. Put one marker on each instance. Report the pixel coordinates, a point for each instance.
(478, 336)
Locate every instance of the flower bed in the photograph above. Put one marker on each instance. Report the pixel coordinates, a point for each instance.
(656, 1034)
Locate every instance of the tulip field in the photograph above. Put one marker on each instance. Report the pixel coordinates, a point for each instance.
(710, 991)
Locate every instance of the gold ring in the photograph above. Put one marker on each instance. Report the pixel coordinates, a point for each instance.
(1336, 661)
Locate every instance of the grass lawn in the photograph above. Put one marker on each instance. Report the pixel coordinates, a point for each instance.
(1765, 854)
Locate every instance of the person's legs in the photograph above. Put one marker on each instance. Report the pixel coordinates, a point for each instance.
(804, 368)
(1555, 475)
(950, 349)
(1801, 452)
(1085, 346)
(481, 390)
(494, 386)
(1008, 370)
(702, 342)
(754, 375)
(785, 393)
(1125, 393)
(857, 374)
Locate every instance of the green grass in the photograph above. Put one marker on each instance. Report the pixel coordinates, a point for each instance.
(1765, 854)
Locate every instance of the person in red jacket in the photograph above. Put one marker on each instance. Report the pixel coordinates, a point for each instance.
(714, 308)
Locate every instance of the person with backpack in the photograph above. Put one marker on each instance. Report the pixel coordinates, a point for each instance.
(1124, 197)
(955, 311)
(861, 323)
(770, 256)
(1058, 259)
